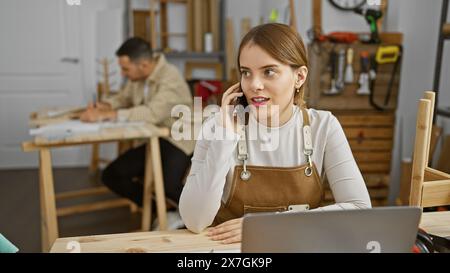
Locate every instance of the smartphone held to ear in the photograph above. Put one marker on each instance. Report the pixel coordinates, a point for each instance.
(242, 100)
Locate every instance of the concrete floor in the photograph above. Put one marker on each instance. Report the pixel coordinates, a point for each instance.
(20, 214)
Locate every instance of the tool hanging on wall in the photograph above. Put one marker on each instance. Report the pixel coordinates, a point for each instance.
(341, 67)
(349, 67)
(364, 80)
(372, 16)
(384, 55)
(332, 68)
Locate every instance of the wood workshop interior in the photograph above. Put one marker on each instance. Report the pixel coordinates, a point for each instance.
(224, 125)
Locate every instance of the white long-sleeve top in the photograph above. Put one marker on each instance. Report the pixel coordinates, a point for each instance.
(210, 178)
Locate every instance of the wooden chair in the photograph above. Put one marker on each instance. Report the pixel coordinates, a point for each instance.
(429, 187)
(406, 167)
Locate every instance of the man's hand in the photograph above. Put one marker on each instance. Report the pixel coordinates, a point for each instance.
(93, 114)
(103, 106)
(228, 232)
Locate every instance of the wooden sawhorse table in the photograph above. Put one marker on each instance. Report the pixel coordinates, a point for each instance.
(153, 173)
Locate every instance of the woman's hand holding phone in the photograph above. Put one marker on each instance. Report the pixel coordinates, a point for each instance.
(229, 99)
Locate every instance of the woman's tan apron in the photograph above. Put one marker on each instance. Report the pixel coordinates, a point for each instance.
(272, 189)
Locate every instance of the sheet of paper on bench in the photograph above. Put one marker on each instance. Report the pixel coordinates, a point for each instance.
(72, 127)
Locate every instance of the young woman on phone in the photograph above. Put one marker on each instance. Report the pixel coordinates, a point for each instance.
(234, 175)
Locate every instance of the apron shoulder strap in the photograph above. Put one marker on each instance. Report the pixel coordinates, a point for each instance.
(307, 138)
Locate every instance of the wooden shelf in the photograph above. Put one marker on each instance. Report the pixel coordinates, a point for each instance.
(194, 55)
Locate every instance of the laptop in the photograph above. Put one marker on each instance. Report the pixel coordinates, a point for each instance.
(386, 229)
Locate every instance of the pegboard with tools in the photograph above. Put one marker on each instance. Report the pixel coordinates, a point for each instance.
(359, 84)
(354, 76)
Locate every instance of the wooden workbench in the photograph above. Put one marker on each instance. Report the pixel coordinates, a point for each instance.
(186, 241)
(153, 172)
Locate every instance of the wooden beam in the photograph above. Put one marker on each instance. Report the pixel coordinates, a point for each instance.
(293, 18)
(81, 193)
(420, 151)
(190, 66)
(246, 25)
(101, 205)
(190, 25)
(391, 38)
(436, 193)
(95, 158)
(214, 12)
(436, 133)
(158, 182)
(152, 38)
(198, 38)
(229, 48)
(432, 175)
(429, 95)
(383, 9)
(163, 24)
(49, 224)
(317, 17)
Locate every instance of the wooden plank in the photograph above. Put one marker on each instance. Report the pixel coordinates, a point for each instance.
(376, 180)
(383, 9)
(214, 11)
(375, 167)
(81, 193)
(153, 38)
(95, 158)
(246, 25)
(405, 183)
(366, 120)
(436, 223)
(173, 1)
(105, 135)
(436, 133)
(391, 38)
(205, 14)
(371, 145)
(100, 205)
(229, 48)
(293, 18)
(349, 100)
(432, 175)
(429, 95)
(436, 193)
(49, 225)
(140, 23)
(190, 25)
(420, 160)
(317, 17)
(368, 133)
(198, 38)
(190, 66)
(372, 157)
(159, 183)
(163, 25)
(180, 241)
